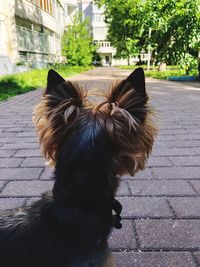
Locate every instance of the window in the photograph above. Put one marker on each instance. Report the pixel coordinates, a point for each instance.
(45, 5)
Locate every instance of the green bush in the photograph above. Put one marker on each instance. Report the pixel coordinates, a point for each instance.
(77, 45)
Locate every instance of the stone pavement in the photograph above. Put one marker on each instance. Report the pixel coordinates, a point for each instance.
(161, 205)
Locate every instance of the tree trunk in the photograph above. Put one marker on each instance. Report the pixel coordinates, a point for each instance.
(128, 59)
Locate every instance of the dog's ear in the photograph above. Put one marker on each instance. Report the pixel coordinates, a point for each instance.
(134, 82)
(58, 86)
(130, 95)
(137, 79)
(53, 80)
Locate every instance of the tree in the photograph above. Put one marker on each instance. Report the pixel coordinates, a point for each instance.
(175, 25)
(77, 44)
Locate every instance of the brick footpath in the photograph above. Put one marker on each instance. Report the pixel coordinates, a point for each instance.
(161, 205)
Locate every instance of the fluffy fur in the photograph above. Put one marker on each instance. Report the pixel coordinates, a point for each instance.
(90, 146)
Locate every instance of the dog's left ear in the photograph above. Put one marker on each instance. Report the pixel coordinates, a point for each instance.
(57, 86)
(53, 80)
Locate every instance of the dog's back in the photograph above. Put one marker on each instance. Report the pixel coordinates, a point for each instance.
(46, 235)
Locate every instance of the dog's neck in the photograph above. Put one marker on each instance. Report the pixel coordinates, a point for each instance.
(88, 188)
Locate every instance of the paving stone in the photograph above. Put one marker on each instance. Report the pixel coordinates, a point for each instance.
(26, 134)
(123, 189)
(11, 203)
(185, 161)
(145, 207)
(168, 234)
(158, 162)
(34, 162)
(144, 174)
(27, 153)
(166, 138)
(188, 137)
(20, 173)
(13, 139)
(123, 238)
(173, 131)
(197, 150)
(181, 144)
(176, 173)
(19, 129)
(10, 162)
(26, 188)
(20, 146)
(186, 207)
(154, 259)
(174, 152)
(161, 188)
(7, 153)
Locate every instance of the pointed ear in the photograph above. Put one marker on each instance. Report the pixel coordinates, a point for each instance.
(129, 88)
(53, 80)
(137, 79)
(59, 87)
(130, 95)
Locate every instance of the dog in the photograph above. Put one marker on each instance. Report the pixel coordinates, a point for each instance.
(90, 146)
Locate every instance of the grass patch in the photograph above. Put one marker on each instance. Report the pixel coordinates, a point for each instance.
(170, 71)
(11, 85)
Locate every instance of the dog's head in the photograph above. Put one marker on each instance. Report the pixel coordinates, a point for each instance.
(118, 132)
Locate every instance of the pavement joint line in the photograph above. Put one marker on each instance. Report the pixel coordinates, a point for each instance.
(3, 186)
(172, 210)
(20, 166)
(193, 187)
(135, 234)
(195, 259)
(161, 249)
(40, 174)
(129, 188)
(168, 157)
(162, 195)
(155, 179)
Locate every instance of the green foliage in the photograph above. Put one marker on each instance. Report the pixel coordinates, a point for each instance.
(171, 71)
(175, 28)
(77, 44)
(20, 83)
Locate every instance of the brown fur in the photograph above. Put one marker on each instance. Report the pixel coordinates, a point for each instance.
(129, 124)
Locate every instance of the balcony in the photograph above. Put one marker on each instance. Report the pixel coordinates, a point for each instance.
(73, 3)
(36, 42)
(104, 47)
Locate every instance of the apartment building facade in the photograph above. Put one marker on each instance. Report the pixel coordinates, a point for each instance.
(30, 33)
(99, 31)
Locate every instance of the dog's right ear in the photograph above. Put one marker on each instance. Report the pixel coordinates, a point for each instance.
(57, 86)
(53, 80)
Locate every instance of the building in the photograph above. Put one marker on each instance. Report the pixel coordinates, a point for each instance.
(99, 31)
(71, 9)
(31, 32)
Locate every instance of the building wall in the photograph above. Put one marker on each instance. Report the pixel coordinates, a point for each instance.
(31, 33)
